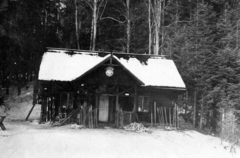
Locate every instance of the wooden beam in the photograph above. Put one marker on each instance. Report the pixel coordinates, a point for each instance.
(151, 119)
(67, 100)
(135, 104)
(126, 90)
(165, 111)
(155, 112)
(117, 110)
(97, 107)
(41, 113)
(113, 65)
(47, 109)
(158, 112)
(60, 104)
(30, 112)
(170, 116)
(77, 51)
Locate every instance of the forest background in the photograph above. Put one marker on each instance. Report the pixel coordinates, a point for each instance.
(201, 36)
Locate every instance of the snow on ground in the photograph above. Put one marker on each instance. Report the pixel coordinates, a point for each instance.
(19, 111)
(28, 139)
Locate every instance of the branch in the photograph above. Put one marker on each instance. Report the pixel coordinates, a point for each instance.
(86, 1)
(166, 6)
(113, 19)
(103, 9)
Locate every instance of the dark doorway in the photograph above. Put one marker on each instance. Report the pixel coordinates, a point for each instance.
(126, 103)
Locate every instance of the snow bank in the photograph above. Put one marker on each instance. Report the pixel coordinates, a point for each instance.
(19, 111)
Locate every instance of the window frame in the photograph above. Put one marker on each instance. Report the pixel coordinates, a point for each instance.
(143, 103)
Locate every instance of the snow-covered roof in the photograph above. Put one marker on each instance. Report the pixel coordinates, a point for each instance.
(64, 67)
(156, 72)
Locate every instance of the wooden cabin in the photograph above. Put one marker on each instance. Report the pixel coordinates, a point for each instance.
(95, 87)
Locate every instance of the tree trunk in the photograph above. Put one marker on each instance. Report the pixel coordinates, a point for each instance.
(150, 27)
(45, 26)
(214, 119)
(161, 24)
(76, 23)
(158, 10)
(91, 38)
(7, 86)
(19, 90)
(222, 123)
(128, 26)
(19, 83)
(194, 108)
(94, 25)
(201, 116)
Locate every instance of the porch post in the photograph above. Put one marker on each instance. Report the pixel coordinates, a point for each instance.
(60, 106)
(41, 112)
(97, 107)
(135, 103)
(117, 108)
(44, 109)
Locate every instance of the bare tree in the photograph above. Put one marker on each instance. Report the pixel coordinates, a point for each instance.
(76, 23)
(126, 13)
(150, 28)
(128, 25)
(95, 5)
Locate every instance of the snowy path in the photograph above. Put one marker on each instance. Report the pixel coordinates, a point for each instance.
(25, 140)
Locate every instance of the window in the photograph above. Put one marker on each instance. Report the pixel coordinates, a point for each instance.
(143, 103)
(67, 100)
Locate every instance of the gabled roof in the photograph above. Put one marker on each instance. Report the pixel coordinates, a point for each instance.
(156, 72)
(64, 67)
(115, 59)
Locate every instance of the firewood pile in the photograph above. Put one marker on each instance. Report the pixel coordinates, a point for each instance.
(137, 127)
(169, 128)
(76, 126)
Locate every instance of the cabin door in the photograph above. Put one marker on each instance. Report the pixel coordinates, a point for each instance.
(103, 108)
